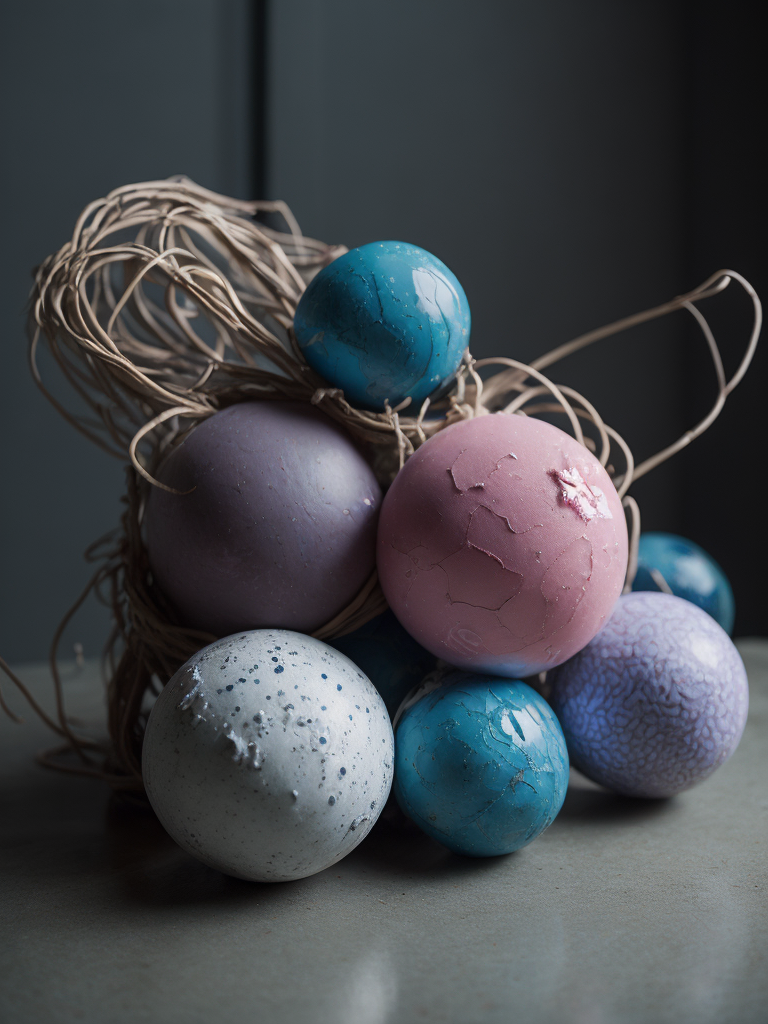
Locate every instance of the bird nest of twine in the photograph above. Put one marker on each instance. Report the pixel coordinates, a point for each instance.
(171, 302)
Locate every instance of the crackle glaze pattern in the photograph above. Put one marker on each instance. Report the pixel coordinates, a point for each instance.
(656, 702)
(481, 764)
(275, 525)
(268, 756)
(502, 545)
(385, 321)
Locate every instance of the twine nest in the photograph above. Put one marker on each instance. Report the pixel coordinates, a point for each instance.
(171, 302)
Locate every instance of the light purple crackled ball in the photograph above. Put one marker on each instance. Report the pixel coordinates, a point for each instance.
(656, 701)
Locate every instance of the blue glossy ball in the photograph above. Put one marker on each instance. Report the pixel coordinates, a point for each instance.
(386, 321)
(688, 571)
(481, 764)
(389, 656)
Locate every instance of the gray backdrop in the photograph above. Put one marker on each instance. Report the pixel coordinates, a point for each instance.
(95, 95)
(572, 163)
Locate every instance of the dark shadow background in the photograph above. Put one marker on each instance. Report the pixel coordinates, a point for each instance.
(571, 162)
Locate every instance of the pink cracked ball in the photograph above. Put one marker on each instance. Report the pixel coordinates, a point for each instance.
(502, 545)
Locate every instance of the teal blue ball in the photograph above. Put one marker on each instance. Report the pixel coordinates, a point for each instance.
(481, 764)
(688, 571)
(384, 322)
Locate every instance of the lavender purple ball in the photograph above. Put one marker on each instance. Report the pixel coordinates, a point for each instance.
(275, 525)
(656, 701)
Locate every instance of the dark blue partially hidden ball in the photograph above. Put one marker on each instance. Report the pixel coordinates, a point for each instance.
(664, 559)
(481, 764)
(384, 322)
(388, 655)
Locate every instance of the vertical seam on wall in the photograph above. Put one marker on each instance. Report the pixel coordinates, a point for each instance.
(259, 135)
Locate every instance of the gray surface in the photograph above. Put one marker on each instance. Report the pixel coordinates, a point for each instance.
(624, 911)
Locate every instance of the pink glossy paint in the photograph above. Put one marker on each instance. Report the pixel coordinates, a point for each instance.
(502, 545)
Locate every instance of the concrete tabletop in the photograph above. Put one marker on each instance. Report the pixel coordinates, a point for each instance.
(623, 911)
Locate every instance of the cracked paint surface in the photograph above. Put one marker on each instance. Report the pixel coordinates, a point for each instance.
(577, 493)
(387, 320)
(269, 755)
(481, 764)
(657, 701)
(502, 545)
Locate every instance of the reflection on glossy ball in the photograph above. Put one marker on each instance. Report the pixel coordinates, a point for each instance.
(688, 571)
(386, 321)
(656, 702)
(480, 764)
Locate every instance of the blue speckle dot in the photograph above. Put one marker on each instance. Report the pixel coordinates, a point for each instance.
(323, 739)
(367, 710)
(274, 659)
(350, 718)
(338, 686)
(331, 800)
(323, 707)
(278, 648)
(342, 771)
(257, 680)
(279, 668)
(219, 691)
(241, 680)
(231, 686)
(323, 675)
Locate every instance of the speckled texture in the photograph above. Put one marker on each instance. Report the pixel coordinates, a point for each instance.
(656, 702)
(385, 321)
(502, 545)
(481, 764)
(688, 571)
(279, 529)
(389, 656)
(268, 756)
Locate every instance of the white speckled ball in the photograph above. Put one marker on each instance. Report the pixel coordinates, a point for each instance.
(269, 755)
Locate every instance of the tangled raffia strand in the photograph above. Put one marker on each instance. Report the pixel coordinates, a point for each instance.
(171, 302)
